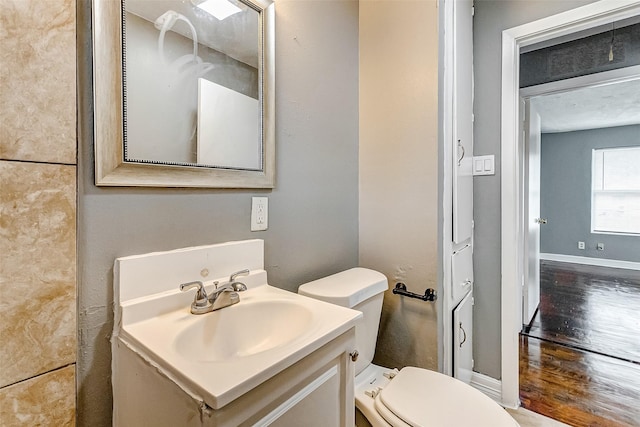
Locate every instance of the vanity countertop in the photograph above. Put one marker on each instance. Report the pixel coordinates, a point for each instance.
(219, 356)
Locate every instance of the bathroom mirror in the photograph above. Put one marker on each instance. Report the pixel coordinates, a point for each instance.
(184, 93)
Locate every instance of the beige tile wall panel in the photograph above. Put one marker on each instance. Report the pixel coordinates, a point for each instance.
(47, 400)
(38, 80)
(37, 269)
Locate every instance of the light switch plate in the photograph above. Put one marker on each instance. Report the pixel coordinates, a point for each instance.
(484, 165)
(259, 213)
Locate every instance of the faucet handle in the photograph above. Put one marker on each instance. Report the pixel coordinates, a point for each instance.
(201, 301)
(244, 272)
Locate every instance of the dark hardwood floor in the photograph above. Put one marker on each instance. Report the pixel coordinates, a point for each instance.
(578, 387)
(566, 373)
(590, 308)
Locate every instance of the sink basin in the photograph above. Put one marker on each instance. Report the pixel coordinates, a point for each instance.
(243, 330)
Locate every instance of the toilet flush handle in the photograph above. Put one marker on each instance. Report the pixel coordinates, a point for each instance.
(354, 355)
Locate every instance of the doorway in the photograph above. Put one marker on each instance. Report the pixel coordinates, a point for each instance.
(579, 356)
(512, 155)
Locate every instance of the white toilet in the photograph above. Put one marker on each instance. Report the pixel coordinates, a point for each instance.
(409, 397)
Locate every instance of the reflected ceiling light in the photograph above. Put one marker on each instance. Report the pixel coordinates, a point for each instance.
(221, 9)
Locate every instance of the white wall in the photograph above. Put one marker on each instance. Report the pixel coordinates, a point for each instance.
(399, 169)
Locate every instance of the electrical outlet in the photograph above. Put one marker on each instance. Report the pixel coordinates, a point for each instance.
(600, 246)
(580, 245)
(259, 213)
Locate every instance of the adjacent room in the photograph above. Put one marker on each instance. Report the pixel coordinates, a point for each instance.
(580, 354)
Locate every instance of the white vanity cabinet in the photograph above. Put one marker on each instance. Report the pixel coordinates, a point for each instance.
(315, 391)
(273, 358)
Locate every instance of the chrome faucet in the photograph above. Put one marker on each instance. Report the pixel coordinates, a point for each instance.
(237, 286)
(223, 296)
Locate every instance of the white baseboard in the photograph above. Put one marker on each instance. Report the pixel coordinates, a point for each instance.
(602, 262)
(489, 386)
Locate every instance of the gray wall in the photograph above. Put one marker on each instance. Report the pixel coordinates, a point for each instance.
(491, 18)
(565, 193)
(313, 218)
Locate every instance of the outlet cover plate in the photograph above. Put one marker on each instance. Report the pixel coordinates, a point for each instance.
(259, 213)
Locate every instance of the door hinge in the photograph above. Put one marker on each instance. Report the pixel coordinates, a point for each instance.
(473, 11)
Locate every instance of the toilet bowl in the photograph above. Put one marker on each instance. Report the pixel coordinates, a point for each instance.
(411, 396)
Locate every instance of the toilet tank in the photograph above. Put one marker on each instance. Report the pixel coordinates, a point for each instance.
(361, 289)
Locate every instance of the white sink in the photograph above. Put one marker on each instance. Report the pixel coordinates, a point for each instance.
(221, 355)
(242, 330)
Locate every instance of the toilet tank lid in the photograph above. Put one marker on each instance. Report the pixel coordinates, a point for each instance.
(347, 288)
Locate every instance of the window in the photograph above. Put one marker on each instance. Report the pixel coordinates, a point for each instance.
(615, 191)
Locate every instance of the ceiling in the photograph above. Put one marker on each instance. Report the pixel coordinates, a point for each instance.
(616, 104)
(236, 36)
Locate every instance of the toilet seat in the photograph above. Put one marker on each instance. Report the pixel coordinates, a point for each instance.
(419, 398)
(387, 415)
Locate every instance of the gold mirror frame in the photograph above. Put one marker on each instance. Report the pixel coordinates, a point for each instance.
(110, 167)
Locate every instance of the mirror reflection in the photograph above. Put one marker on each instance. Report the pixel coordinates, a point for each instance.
(192, 83)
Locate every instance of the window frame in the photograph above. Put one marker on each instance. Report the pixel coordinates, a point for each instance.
(594, 192)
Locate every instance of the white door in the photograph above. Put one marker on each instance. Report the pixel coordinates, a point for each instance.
(531, 288)
(463, 339)
(461, 273)
(458, 83)
(463, 121)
